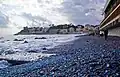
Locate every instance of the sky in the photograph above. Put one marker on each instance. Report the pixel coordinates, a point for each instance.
(15, 14)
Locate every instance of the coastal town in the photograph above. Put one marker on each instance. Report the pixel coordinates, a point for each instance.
(60, 29)
(63, 50)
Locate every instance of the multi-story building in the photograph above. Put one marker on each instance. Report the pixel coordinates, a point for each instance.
(111, 21)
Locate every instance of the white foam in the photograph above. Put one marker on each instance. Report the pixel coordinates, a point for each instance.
(18, 50)
(25, 56)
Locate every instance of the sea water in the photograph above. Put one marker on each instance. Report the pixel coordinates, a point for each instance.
(30, 47)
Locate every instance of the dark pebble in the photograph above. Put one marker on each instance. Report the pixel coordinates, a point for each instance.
(18, 40)
(25, 41)
(44, 49)
(41, 38)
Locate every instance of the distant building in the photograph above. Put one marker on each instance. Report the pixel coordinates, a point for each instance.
(80, 28)
(45, 29)
(71, 29)
(111, 21)
(38, 30)
(52, 30)
(63, 31)
(33, 30)
(58, 29)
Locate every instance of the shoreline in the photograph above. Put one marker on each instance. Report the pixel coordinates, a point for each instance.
(14, 61)
(86, 56)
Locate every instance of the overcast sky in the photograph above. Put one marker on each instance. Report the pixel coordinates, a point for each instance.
(15, 14)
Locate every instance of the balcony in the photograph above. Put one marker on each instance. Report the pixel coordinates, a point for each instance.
(113, 15)
(111, 7)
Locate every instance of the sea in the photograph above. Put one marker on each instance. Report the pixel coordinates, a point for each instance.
(30, 47)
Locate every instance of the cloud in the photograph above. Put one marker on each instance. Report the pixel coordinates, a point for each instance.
(3, 20)
(36, 20)
(19, 13)
(83, 11)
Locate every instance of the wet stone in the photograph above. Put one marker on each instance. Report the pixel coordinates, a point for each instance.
(40, 38)
(18, 40)
(44, 48)
(25, 41)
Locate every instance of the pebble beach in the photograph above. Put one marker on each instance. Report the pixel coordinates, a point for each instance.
(88, 56)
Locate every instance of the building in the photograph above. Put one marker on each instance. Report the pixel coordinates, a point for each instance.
(38, 30)
(53, 31)
(71, 29)
(111, 21)
(63, 31)
(45, 29)
(33, 30)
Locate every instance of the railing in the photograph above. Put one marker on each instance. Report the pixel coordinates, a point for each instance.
(113, 7)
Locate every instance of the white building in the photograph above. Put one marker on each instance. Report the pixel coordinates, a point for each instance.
(63, 31)
(71, 30)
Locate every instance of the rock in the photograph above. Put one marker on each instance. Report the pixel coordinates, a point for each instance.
(18, 40)
(87, 41)
(32, 51)
(2, 41)
(25, 42)
(1, 37)
(44, 49)
(117, 74)
(41, 72)
(41, 38)
(108, 65)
